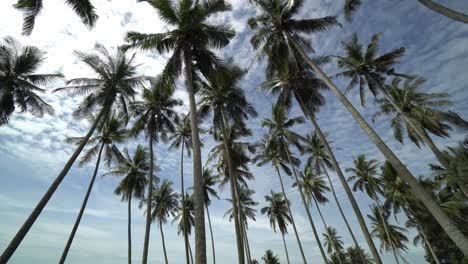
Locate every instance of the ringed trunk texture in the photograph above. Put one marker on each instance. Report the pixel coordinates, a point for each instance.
(200, 236)
(211, 234)
(442, 218)
(130, 228)
(445, 11)
(82, 209)
(163, 242)
(14, 243)
(148, 203)
(182, 186)
(285, 249)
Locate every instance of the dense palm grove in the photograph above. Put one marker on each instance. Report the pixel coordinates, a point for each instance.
(121, 105)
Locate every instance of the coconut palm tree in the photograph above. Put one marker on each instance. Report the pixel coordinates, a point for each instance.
(332, 241)
(222, 96)
(279, 127)
(165, 204)
(185, 210)
(268, 151)
(392, 237)
(182, 138)
(111, 132)
(109, 92)
(32, 8)
(209, 181)
(190, 41)
(19, 84)
(277, 210)
(357, 255)
(352, 5)
(270, 258)
(135, 172)
(276, 27)
(155, 116)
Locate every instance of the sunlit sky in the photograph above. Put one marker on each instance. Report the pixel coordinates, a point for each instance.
(32, 150)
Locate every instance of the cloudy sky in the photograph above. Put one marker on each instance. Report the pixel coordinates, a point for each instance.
(32, 150)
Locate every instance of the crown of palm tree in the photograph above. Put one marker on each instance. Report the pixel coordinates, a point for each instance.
(355, 255)
(366, 176)
(314, 186)
(318, 156)
(277, 211)
(182, 134)
(32, 8)
(270, 258)
(19, 84)
(395, 191)
(269, 149)
(165, 202)
(332, 240)
(209, 181)
(246, 202)
(395, 236)
(189, 208)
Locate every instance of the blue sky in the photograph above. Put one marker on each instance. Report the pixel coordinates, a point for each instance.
(32, 150)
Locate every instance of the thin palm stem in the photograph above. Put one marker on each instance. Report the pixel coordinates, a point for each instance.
(190, 251)
(247, 245)
(148, 202)
(384, 222)
(163, 242)
(186, 239)
(445, 11)
(211, 234)
(130, 228)
(285, 249)
(421, 231)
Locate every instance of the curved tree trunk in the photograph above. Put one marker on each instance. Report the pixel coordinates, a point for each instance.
(309, 216)
(445, 11)
(442, 218)
(211, 233)
(199, 202)
(148, 203)
(182, 187)
(291, 215)
(14, 243)
(163, 242)
(285, 249)
(83, 206)
(247, 245)
(129, 231)
(384, 222)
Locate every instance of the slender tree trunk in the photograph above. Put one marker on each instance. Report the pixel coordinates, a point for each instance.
(83, 206)
(338, 253)
(309, 216)
(14, 243)
(211, 234)
(421, 231)
(445, 11)
(130, 228)
(285, 249)
(163, 242)
(247, 245)
(190, 251)
(199, 202)
(344, 183)
(442, 218)
(186, 239)
(237, 225)
(291, 215)
(148, 203)
(384, 222)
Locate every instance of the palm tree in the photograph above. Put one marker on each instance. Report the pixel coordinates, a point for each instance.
(156, 117)
(209, 181)
(392, 237)
(352, 5)
(109, 93)
(221, 96)
(182, 138)
(357, 255)
(135, 172)
(270, 258)
(186, 217)
(32, 8)
(111, 132)
(333, 242)
(19, 84)
(276, 28)
(269, 151)
(190, 41)
(280, 129)
(277, 211)
(165, 204)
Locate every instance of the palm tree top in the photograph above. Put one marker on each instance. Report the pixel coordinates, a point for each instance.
(182, 134)
(209, 182)
(365, 173)
(313, 185)
(165, 202)
(277, 211)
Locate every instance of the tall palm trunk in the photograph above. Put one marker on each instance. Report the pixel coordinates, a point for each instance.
(130, 228)
(441, 217)
(384, 222)
(247, 245)
(83, 206)
(182, 187)
(211, 233)
(337, 252)
(235, 203)
(14, 243)
(309, 216)
(148, 203)
(163, 242)
(344, 183)
(190, 251)
(445, 11)
(285, 248)
(291, 215)
(199, 201)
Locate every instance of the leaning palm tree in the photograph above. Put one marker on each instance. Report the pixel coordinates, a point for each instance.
(270, 258)
(277, 31)
(209, 181)
(190, 41)
(135, 172)
(333, 242)
(165, 204)
(156, 117)
(19, 84)
(279, 127)
(277, 210)
(32, 8)
(109, 92)
(111, 132)
(352, 5)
